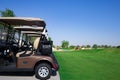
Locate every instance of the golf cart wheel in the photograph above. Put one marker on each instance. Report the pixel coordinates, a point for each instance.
(43, 71)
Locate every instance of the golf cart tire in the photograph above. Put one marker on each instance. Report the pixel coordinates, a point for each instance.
(43, 71)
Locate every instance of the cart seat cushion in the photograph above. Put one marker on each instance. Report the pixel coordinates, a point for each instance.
(36, 42)
(23, 53)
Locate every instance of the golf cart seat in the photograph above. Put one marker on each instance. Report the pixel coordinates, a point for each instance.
(36, 43)
(23, 53)
(28, 53)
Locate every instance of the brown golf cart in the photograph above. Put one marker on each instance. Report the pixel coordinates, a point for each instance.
(26, 47)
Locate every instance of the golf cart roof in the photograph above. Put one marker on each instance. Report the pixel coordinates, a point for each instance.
(23, 21)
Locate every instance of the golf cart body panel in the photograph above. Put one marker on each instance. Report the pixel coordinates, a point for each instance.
(30, 61)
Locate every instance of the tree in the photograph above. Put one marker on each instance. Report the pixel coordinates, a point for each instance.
(88, 46)
(118, 46)
(7, 13)
(71, 46)
(94, 46)
(65, 44)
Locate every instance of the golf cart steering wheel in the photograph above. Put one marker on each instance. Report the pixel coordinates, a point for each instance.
(13, 42)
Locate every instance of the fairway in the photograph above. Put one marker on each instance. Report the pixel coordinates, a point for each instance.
(95, 64)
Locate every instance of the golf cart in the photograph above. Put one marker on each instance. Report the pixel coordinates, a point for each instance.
(26, 47)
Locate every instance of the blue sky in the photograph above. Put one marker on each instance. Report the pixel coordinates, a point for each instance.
(80, 22)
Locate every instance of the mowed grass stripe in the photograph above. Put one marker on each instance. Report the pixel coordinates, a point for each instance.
(103, 64)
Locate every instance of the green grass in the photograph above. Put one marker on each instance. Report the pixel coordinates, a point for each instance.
(102, 64)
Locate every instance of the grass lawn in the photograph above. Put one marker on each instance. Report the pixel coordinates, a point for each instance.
(101, 64)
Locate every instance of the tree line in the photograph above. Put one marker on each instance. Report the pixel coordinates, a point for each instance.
(65, 44)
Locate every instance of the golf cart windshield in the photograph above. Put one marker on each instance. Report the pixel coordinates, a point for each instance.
(3, 34)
